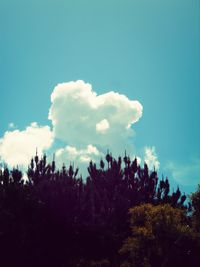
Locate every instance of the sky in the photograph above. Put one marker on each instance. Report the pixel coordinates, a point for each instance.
(78, 77)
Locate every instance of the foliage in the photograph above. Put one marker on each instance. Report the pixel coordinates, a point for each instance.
(161, 236)
(195, 197)
(55, 218)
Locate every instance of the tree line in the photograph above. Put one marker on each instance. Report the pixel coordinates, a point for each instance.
(121, 215)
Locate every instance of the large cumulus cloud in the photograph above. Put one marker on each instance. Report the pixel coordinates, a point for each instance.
(80, 117)
(87, 124)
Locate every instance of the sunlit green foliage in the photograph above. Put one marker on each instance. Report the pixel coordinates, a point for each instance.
(195, 197)
(161, 236)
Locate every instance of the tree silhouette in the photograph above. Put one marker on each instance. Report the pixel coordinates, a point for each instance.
(54, 217)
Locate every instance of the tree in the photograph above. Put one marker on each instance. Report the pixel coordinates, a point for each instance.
(57, 213)
(161, 236)
(195, 197)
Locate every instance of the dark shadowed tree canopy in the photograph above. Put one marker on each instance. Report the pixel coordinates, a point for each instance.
(55, 218)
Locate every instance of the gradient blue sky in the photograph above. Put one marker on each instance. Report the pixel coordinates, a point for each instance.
(147, 50)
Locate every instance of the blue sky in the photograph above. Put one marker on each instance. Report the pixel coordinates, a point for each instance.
(146, 50)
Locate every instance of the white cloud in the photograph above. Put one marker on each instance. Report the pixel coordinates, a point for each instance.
(102, 126)
(81, 157)
(185, 174)
(87, 125)
(11, 125)
(17, 147)
(81, 117)
(139, 160)
(151, 158)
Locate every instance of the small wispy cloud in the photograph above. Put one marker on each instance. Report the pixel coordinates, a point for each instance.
(11, 125)
(185, 173)
(151, 158)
